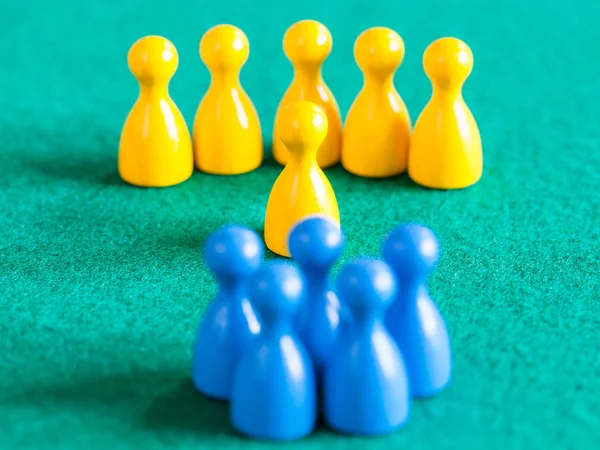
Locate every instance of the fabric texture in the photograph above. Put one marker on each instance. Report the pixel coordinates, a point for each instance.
(102, 285)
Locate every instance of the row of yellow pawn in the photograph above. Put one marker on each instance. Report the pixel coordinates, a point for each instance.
(442, 151)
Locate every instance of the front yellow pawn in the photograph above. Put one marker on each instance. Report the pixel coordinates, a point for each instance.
(302, 188)
(227, 134)
(307, 44)
(445, 151)
(155, 149)
(377, 130)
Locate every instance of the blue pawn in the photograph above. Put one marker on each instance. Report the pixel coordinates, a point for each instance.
(365, 385)
(315, 244)
(413, 319)
(274, 389)
(233, 254)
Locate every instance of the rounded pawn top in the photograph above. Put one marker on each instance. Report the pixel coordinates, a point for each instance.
(224, 46)
(153, 57)
(307, 42)
(233, 252)
(302, 124)
(379, 49)
(276, 289)
(316, 242)
(448, 61)
(412, 250)
(366, 285)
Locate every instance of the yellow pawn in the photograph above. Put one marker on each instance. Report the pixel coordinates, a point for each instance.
(227, 134)
(307, 44)
(445, 151)
(377, 130)
(302, 189)
(155, 149)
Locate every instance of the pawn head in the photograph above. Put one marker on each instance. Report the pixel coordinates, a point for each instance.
(302, 124)
(224, 47)
(316, 242)
(153, 57)
(367, 286)
(233, 252)
(448, 61)
(307, 42)
(412, 250)
(276, 289)
(379, 50)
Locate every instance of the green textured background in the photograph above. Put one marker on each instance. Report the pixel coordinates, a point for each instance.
(102, 284)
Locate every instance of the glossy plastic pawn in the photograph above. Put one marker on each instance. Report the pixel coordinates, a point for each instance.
(155, 148)
(366, 389)
(377, 128)
(274, 390)
(227, 134)
(233, 254)
(307, 44)
(413, 319)
(302, 189)
(445, 150)
(315, 244)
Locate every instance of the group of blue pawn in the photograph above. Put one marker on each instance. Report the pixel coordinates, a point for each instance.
(286, 346)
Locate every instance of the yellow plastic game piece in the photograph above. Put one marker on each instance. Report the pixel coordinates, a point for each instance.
(377, 130)
(227, 133)
(445, 151)
(302, 188)
(307, 44)
(155, 149)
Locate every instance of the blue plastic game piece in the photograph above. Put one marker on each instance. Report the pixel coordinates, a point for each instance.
(274, 388)
(315, 244)
(413, 319)
(366, 388)
(233, 254)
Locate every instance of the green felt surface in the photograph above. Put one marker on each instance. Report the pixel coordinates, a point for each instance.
(102, 284)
